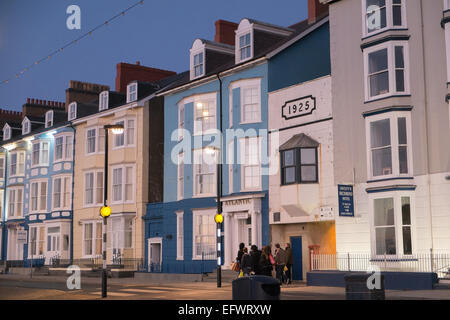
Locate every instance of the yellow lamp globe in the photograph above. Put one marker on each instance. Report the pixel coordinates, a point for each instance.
(218, 218)
(105, 211)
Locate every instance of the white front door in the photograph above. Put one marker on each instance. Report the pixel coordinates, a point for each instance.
(53, 242)
(15, 245)
(245, 232)
(154, 254)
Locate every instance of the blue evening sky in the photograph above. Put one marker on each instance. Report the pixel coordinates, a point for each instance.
(158, 34)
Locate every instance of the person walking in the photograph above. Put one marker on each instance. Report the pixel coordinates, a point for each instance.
(246, 263)
(239, 257)
(255, 254)
(265, 266)
(280, 262)
(289, 262)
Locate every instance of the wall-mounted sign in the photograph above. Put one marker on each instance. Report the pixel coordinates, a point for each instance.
(298, 107)
(345, 195)
(22, 236)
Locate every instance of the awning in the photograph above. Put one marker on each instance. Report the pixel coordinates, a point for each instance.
(300, 140)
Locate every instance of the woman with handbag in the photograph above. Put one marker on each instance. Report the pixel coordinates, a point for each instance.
(265, 265)
(236, 266)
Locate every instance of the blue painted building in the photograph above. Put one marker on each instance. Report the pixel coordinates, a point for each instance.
(226, 87)
(38, 182)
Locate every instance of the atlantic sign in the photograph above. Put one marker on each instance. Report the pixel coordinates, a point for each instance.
(298, 107)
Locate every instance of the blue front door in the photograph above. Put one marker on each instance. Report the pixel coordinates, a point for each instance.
(297, 266)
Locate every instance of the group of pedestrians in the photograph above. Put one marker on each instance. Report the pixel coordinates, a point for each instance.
(262, 262)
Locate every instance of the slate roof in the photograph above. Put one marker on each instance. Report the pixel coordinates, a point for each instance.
(300, 140)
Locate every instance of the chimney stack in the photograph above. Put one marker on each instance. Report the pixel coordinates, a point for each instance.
(317, 9)
(129, 72)
(225, 32)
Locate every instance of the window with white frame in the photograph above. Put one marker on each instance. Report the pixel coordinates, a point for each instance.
(180, 181)
(93, 188)
(198, 65)
(2, 167)
(250, 163)
(95, 140)
(380, 15)
(103, 100)
(40, 152)
(26, 126)
(63, 147)
(392, 224)
(62, 191)
(389, 143)
(38, 196)
(49, 119)
(245, 47)
(17, 164)
(386, 70)
(6, 132)
(204, 115)
(36, 241)
(127, 137)
(72, 111)
(123, 183)
(120, 233)
(180, 121)
(132, 92)
(204, 234)
(446, 4)
(180, 236)
(204, 171)
(15, 202)
(251, 105)
(92, 238)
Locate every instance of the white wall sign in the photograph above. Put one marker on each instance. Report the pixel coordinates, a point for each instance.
(22, 236)
(298, 107)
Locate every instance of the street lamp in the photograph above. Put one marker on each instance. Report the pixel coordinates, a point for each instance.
(105, 211)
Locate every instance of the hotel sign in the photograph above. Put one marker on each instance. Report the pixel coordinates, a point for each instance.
(298, 107)
(345, 195)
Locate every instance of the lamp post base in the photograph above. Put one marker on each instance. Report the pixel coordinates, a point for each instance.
(104, 282)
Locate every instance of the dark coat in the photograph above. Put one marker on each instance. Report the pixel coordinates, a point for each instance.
(289, 259)
(246, 262)
(239, 256)
(265, 266)
(256, 256)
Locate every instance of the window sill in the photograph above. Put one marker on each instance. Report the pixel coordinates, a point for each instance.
(252, 190)
(209, 195)
(384, 30)
(373, 180)
(386, 96)
(38, 166)
(250, 122)
(87, 206)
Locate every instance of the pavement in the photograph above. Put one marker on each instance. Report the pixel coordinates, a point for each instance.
(22, 287)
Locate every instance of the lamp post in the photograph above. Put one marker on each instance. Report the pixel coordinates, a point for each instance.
(105, 211)
(219, 215)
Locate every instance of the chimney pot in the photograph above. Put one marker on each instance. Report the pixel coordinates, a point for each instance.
(316, 10)
(138, 63)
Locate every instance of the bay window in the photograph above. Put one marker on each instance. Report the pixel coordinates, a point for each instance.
(120, 233)
(17, 164)
(38, 197)
(204, 234)
(36, 241)
(392, 224)
(204, 171)
(93, 188)
(62, 192)
(127, 137)
(380, 15)
(389, 145)
(15, 202)
(92, 239)
(204, 115)
(63, 147)
(40, 153)
(386, 70)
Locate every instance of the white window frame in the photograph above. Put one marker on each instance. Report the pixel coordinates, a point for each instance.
(39, 183)
(67, 152)
(389, 18)
(2, 168)
(446, 5)
(250, 84)
(14, 215)
(181, 121)
(244, 164)
(99, 143)
(201, 64)
(72, 114)
(198, 47)
(117, 230)
(49, 119)
(26, 126)
(126, 135)
(6, 132)
(39, 228)
(198, 103)
(390, 46)
(396, 195)
(95, 188)
(123, 183)
(194, 174)
(210, 213)
(40, 163)
(180, 176)
(180, 235)
(103, 101)
(393, 122)
(20, 167)
(132, 92)
(244, 28)
(65, 190)
(94, 238)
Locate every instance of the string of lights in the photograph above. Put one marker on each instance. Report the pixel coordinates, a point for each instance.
(71, 43)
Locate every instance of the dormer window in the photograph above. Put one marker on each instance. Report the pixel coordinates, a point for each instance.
(244, 47)
(104, 100)
(6, 132)
(72, 111)
(132, 92)
(26, 126)
(49, 119)
(198, 65)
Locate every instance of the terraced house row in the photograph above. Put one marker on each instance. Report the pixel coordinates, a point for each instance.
(334, 135)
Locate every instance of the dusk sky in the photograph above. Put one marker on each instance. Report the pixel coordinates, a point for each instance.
(158, 34)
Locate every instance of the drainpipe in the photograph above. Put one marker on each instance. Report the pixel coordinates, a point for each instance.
(73, 185)
(426, 125)
(3, 252)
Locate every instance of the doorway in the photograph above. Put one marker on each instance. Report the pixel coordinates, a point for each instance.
(245, 232)
(297, 266)
(16, 241)
(154, 254)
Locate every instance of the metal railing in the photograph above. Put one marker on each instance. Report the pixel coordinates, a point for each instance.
(421, 262)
